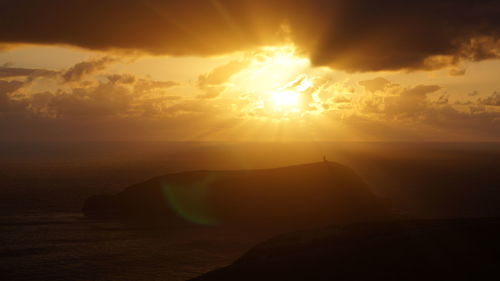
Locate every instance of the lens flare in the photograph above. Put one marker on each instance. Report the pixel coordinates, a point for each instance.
(191, 202)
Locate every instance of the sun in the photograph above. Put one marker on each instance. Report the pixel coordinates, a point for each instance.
(285, 100)
(277, 83)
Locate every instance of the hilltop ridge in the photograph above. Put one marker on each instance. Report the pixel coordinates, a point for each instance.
(301, 195)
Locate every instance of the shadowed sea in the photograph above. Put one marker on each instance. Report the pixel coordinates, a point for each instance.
(66, 246)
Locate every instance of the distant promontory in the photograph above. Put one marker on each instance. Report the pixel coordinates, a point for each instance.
(305, 195)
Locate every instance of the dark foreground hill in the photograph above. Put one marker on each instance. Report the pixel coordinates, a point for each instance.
(411, 251)
(299, 196)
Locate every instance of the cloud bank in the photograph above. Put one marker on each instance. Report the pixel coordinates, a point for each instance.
(352, 35)
(99, 104)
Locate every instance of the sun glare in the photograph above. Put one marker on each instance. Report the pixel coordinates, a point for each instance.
(278, 83)
(285, 100)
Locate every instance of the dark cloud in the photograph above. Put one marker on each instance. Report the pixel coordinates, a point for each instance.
(175, 27)
(6, 103)
(353, 35)
(29, 73)
(492, 100)
(121, 78)
(12, 72)
(82, 69)
(393, 34)
(420, 91)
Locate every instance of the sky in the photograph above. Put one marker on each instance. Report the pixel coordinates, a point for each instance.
(249, 70)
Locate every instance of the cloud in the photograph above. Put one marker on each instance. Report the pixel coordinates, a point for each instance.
(12, 72)
(409, 102)
(143, 86)
(174, 27)
(105, 100)
(411, 113)
(374, 85)
(121, 78)
(29, 74)
(364, 35)
(82, 69)
(398, 102)
(457, 71)
(492, 100)
(6, 103)
(95, 102)
(30, 102)
(118, 96)
(352, 35)
(341, 99)
(212, 83)
(120, 106)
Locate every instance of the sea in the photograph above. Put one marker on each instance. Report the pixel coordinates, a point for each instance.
(43, 185)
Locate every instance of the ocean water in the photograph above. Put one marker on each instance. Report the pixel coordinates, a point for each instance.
(66, 246)
(43, 235)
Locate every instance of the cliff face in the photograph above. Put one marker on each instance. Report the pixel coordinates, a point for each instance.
(303, 195)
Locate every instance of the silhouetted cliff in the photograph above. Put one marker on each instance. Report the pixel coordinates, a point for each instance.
(411, 251)
(304, 195)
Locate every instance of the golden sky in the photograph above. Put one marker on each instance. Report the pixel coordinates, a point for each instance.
(208, 70)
